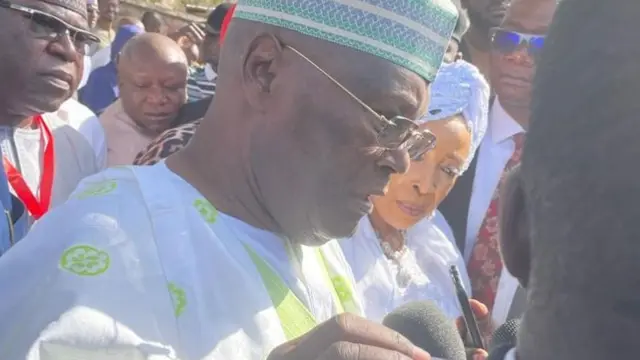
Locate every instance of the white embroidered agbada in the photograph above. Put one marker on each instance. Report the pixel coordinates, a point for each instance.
(138, 265)
(459, 88)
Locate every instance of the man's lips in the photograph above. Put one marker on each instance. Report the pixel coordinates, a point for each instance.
(58, 79)
(158, 115)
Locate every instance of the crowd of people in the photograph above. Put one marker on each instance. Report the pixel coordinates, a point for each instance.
(296, 180)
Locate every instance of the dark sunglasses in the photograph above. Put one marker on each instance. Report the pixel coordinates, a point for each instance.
(48, 27)
(506, 41)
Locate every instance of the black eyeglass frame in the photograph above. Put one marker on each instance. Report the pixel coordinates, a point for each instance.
(398, 132)
(70, 30)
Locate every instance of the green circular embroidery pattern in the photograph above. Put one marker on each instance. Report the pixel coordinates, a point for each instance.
(85, 260)
(342, 289)
(98, 189)
(208, 212)
(179, 298)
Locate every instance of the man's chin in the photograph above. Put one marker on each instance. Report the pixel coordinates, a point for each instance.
(37, 106)
(321, 237)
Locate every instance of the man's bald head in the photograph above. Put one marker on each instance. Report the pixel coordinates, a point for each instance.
(580, 178)
(152, 78)
(152, 47)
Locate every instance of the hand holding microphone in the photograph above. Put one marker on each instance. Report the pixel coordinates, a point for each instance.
(349, 337)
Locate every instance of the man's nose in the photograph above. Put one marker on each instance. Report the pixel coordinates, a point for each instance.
(397, 161)
(156, 95)
(520, 56)
(64, 48)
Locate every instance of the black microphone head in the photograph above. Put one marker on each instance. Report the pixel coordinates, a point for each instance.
(426, 326)
(506, 334)
(504, 339)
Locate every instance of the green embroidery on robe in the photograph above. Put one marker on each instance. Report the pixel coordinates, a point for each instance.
(179, 297)
(101, 188)
(342, 289)
(85, 260)
(208, 212)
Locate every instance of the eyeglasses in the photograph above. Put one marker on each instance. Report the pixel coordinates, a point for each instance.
(48, 27)
(395, 133)
(506, 41)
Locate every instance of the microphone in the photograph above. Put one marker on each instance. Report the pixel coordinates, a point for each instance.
(426, 326)
(504, 339)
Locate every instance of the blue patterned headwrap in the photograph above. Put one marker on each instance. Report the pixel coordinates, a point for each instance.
(460, 88)
(410, 33)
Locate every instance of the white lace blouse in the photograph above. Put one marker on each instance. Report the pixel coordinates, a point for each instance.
(427, 261)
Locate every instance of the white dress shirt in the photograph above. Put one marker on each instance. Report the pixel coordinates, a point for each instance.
(511, 355)
(86, 122)
(495, 151)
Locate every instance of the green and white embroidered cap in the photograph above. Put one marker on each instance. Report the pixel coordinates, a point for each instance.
(411, 33)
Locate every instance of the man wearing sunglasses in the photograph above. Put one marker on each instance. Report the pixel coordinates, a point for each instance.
(473, 210)
(225, 250)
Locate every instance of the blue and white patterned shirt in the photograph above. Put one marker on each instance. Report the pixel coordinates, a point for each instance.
(198, 86)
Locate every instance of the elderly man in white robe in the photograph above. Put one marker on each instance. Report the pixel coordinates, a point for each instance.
(224, 251)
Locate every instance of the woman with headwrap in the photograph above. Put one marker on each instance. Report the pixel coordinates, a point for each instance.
(398, 254)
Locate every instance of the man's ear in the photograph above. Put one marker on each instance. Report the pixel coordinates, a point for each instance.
(514, 234)
(260, 68)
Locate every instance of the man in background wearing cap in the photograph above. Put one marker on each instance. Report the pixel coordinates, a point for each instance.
(225, 250)
(202, 80)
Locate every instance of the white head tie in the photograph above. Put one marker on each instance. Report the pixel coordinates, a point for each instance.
(460, 88)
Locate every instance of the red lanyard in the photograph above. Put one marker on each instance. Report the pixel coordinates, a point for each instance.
(37, 207)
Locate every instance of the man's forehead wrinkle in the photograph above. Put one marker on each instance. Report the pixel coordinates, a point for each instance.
(370, 78)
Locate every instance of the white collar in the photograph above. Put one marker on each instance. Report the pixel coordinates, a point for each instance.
(501, 125)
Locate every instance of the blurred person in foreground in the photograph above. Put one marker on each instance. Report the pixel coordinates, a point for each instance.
(471, 209)
(152, 84)
(580, 184)
(397, 254)
(191, 258)
(43, 157)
